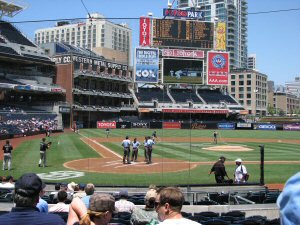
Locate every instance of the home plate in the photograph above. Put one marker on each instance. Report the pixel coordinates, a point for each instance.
(228, 148)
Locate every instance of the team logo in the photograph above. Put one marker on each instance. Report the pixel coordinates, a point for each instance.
(219, 61)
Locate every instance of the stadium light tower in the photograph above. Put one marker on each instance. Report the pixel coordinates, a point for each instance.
(11, 8)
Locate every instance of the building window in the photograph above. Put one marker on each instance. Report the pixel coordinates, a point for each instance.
(248, 102)
(232, 77)
(232, 82)
(241, 76)
(248, 95)
(248, 82)
(241, 95)
(248, 76)
(241, 88)
(241, 82)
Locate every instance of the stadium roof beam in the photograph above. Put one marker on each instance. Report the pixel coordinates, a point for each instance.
(11, 8)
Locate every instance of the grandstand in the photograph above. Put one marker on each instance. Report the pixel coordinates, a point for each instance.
(27, 78)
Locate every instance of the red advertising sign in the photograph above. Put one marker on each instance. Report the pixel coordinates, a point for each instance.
(218, 68)
(104, 125)
(183, 53)
(145, 31)
(208, 111)
(171, 125)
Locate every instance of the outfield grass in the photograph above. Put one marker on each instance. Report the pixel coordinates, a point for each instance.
(68, 146)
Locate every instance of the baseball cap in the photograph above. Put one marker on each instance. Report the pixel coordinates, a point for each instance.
(150, 194)
(238, 160)
(289, 201)
(102, 203)
(123, 193)
(29, 184)
(71, 186)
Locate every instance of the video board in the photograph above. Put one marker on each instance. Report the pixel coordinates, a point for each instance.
(179, 70)
(184, 33)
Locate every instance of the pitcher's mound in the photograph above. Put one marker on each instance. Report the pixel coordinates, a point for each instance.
(228, 148)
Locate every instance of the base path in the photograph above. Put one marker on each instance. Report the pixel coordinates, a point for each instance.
(111, 162)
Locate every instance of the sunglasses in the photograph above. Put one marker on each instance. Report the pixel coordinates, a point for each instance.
(156, 204)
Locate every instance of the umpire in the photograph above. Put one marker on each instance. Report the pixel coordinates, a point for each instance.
(7, 148)
(219, 170)
(126, 145)
(43, 149)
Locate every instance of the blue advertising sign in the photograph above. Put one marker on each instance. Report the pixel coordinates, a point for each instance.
(264, 126)
(178, 13)
(146, 65)
(226, 126)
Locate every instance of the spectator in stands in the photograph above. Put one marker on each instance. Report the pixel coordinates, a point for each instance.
(147, 214)
(42, 204)
(7, 148)
(61, 206)
(27, 190)
(64, 187)
(152, 191)
(123, 205)
(89, 190)
(80, 193)
(219, 170)
(100, 212)
(289, 201)
(240, 174)
(168, 205)
(7, 182)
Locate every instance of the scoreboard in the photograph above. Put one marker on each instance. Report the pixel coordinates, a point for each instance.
(184, 33)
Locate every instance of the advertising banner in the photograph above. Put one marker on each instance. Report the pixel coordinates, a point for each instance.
(226, 126)
(123, 125)
(145, 31)
(220, 36)
(146, 65)
(195, 54)
(139, 125)
(205, 111)
(178, 13)
(171, 125)
(156, 125)
(217, 68)
(182, 71)
(104, 125)
(293, 126)
(199, 126)
(264, 126)
(244, 125)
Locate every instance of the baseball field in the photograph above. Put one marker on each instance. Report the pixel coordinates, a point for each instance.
(179, 156)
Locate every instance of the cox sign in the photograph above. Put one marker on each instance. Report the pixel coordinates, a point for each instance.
(264, 126)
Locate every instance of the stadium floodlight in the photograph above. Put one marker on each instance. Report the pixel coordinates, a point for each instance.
(11, 8)
(150, 14)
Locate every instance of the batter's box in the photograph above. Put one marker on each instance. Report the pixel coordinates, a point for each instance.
(60, 175)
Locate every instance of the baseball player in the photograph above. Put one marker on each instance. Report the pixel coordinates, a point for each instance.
(43, 149)
(146, 149)
(215, 134)
(107, 132)
(126, 145)
(7, 148)
(150, 143)
(135, 149)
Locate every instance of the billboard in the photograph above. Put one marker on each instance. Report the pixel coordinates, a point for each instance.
(146, 65)
(217, 68)
(183, 33)
(145, 31)
(182, 70)
(220, 36)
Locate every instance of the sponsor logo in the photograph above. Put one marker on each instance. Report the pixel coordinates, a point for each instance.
(172, 125)
(140, 125)
(267, 126)
(219, 61)
(229, 126)
(106, 124)
(60, 175)
(244, 125)
(198, 126)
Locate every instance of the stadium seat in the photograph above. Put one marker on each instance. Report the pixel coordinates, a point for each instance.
(207, 214)
(235, 213)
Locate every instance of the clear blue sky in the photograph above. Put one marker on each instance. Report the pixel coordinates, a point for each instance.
(274, 37)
